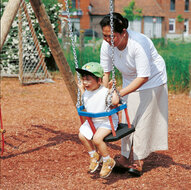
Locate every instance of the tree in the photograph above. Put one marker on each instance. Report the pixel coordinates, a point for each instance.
(180, 20)
(131, 12)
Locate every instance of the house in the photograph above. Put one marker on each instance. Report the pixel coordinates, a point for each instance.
(80, 18)
(152, 20)
(174, 8)
(160, 17)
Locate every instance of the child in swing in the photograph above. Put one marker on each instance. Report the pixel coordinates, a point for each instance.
(95, 96)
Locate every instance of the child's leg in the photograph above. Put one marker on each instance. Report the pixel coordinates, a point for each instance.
(94, 156)
(87, 143)
(100, 134)
(108, 163)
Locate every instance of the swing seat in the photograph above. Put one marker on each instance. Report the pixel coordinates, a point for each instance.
(121, 132)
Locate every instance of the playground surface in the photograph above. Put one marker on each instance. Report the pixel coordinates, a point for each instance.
(42, 149)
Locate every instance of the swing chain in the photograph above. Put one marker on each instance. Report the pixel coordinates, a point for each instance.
(112, 45)
(74, 50)
(112, 58)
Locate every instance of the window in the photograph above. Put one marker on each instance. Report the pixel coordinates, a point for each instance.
(171, 25)
(73, 3)
(172, 5)
(186, 26)
(186, 5)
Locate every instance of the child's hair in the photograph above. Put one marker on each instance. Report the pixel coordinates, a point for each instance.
(119, 22)
(90, 74)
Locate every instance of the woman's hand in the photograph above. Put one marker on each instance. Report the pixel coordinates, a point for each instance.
(115, 98)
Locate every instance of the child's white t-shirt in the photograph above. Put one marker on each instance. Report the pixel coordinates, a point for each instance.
(95, 102)
(139, 59)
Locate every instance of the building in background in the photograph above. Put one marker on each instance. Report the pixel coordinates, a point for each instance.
(159, 16)
(174, 8)
(79, 14)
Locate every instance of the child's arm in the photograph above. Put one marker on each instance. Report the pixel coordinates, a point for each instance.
(81, 87)
(115, 97)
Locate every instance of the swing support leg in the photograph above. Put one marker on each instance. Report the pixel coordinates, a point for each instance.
(127, 118)
(112, 126)
(81, 119)
(91, 124)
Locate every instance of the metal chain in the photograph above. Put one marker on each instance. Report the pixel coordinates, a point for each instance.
(74, 49)
(112, 58)
(112, 43)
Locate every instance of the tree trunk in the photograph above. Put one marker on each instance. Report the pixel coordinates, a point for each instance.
(7, 18)
(55, 47)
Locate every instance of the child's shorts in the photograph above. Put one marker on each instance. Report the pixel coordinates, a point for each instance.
(86, 130)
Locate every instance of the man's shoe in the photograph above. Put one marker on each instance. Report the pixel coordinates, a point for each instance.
(107, 168)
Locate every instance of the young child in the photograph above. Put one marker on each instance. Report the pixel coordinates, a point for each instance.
(95, 97)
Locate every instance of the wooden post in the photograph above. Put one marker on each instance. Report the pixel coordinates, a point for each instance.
(190, 80)
(55, 47)
(7, 19)
(20, 45)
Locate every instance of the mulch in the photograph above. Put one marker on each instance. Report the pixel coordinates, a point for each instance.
(42, 149)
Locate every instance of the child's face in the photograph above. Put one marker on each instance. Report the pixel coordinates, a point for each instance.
(90, 83)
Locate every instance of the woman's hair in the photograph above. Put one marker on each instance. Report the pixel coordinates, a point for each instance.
(119, 22)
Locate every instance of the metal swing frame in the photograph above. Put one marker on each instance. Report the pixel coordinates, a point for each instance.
(123, 128)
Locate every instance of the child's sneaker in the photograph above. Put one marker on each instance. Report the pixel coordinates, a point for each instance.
(94, 162)
(107, 168)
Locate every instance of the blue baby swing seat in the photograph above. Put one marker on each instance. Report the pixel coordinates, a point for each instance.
(123, 128)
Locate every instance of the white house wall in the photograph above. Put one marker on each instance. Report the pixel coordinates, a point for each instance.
(135, 25)
(153, 29)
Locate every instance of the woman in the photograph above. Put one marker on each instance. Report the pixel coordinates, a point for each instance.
(144, 88)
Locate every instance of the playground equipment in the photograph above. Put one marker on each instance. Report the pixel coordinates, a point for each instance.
(7, 19)
(123, 129)
(32, 67)
(24, 57)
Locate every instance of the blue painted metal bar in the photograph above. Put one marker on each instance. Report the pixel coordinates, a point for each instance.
(101, 114)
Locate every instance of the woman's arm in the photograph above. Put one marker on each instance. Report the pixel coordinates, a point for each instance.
(134, 85)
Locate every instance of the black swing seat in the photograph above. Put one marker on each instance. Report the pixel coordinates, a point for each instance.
(121, 132)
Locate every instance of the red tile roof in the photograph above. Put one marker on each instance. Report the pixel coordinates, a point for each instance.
(99, 7)
(149, 7)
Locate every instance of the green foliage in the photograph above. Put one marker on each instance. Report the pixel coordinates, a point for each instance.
(180, 18)
(178, 58)
(131, 12)
(53, 9)
(176, 55)
(178, 73)
(87, 55)
(46, 2)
